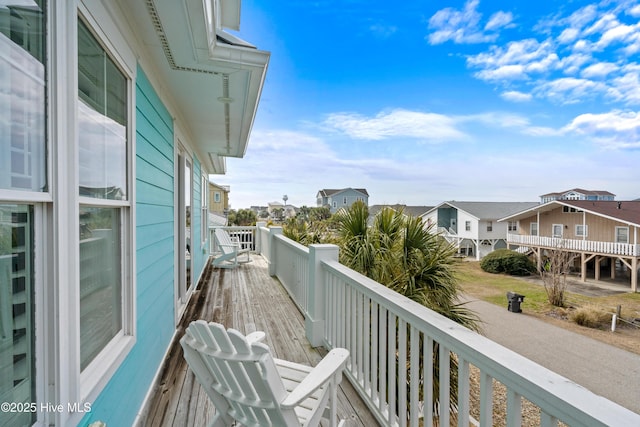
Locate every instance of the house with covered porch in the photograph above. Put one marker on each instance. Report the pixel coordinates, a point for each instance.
(473, 227)
(602, 234)
(114, 113)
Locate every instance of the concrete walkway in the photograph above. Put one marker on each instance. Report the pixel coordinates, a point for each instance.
(603, 369)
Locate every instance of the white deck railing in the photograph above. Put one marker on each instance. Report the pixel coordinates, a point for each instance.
(389, 336)
(606, 248)
(246, 236)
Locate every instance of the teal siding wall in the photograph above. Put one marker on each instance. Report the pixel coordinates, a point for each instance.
(121, 399)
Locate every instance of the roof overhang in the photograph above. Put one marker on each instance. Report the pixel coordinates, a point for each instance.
(214, 78)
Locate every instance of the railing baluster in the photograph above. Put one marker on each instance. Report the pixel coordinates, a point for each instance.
(463, 392)
(382, 387)
(547, 420)
(514, 409)
(375, 350)
(486, 400)
(366, 342)
(391, 367)
(445, 385)
(360, 335)
(427, 356)
(414, 372)
(402, 372)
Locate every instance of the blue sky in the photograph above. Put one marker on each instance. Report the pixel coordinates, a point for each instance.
(421, 102)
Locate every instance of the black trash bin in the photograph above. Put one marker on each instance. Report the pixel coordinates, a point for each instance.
(514, 302)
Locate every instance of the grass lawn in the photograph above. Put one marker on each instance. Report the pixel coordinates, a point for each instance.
(494, 287)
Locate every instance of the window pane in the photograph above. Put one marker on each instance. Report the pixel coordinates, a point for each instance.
(22, 97)
(100, 280)
(102, 121)
(17, 332)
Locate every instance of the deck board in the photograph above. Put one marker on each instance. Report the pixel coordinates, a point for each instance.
(247, 299)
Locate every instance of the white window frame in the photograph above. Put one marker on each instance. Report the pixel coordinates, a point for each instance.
(553, 229)
(204, 209)
(585, 229)
(489, 226)
(100, 370)
(216, 197)
(512, 226)
(616, 237)
(533, 227)
(467, 225)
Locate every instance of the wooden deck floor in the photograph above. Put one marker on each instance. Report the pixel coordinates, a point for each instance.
(247, 299)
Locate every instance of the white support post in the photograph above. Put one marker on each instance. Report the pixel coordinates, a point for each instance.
(314, 318)
(272, 249)
(258, 236)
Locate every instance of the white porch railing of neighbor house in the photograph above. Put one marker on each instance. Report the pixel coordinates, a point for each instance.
(397, 344)
(608, 248)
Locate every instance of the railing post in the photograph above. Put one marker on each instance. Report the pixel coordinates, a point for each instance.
(314, 318)
(272, 249)
(258, 236)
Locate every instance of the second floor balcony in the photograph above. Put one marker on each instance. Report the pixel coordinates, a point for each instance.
(577, 245)
(408, 365)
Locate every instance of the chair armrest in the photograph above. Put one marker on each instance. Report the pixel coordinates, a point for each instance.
(330, 365)
(256, 336)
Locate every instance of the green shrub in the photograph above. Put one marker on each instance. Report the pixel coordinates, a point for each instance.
(509, 262)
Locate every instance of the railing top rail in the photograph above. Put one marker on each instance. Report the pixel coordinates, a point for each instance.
(536, 383)
(292, 244)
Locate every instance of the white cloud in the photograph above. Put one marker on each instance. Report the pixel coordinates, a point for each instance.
(516, 96)
(383, 31)
(568, 35)
(515, 61)
(615, 129)
(601, 69)
(570, 90)
(463, 26)
(427, 127)
(499, 20)
(634, 11)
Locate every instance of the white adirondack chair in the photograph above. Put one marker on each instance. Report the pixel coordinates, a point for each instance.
(231, 250)
(247, 385)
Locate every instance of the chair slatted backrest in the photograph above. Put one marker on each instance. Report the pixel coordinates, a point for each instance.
(225, 243)
(241, 373)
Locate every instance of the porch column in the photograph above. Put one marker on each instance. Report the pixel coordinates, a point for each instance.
(314, 321)
(273, 231)
(613, 267)
(634, 274)
(583, 267)
(258, 236)
(597, 267)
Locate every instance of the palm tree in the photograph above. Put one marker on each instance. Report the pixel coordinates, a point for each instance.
(399, 252)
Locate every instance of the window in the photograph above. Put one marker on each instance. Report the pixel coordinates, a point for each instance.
(533, 229)
(489, 226)
(512, 226)
(467, 225)
(23, 89)
(622, 234)
(204, 217)
(216, 197)
(344, 200)
(17, 330)
(581, 230)
(556, 230)
(104, 220)
(567, 209)
(335, 204)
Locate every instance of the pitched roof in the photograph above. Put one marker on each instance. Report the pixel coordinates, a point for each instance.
(330, 192)
(410, 210)
(581, 191)
(490, 210)
(623, 211)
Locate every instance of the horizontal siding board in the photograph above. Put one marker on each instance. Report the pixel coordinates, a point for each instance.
(151, 194)
(152, 155)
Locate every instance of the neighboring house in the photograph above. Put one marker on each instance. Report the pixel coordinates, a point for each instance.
(218, 198)
(578, 194)
(473, 227)
(114, 113)
(407, 210)
(341, 199)
(276, 208)
(600, 232)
